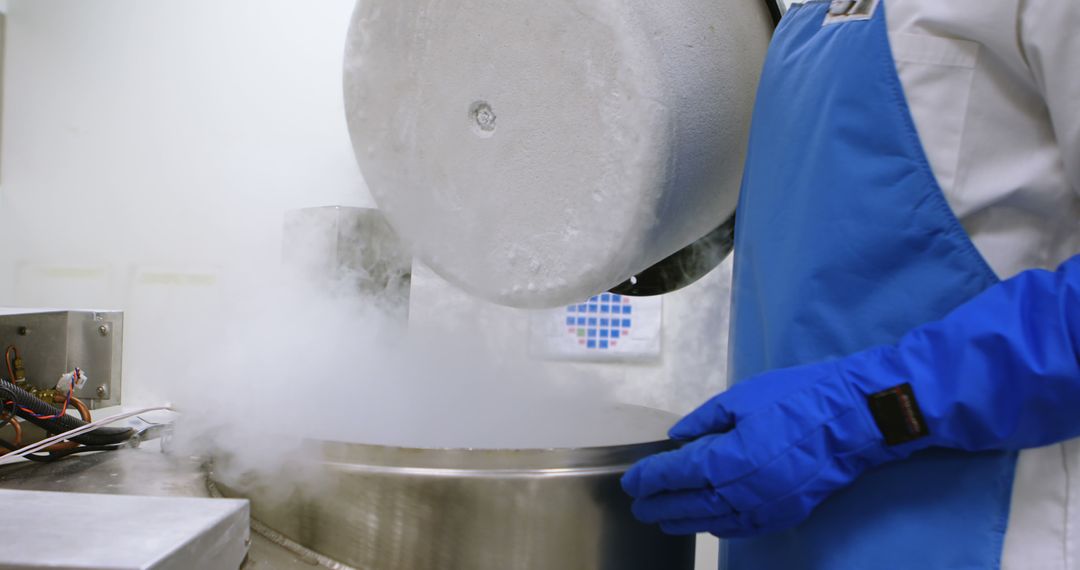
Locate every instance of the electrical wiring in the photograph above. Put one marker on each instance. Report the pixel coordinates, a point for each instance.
(8, 400)
(63, 446)
(62, 453)
(64, 423)
(67, 401)
(16, 455)
(70, 398)
(7, 416)
(14, 402)
(58, 455)
(84, 412)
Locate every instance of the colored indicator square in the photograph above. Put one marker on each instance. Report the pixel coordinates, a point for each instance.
(570, 321)
(627, 309)
(603, 333)
(616, 298)
(615, 333)
(592, 344)
(571, 309)
(606, 297)
(605, 322)
(626, 323)
(582, 308)
(581, 321)
(603, 344)
(595, 299)
(593, 308)
(592, 321)
(592, 333)
(581, 332)
(605, 308)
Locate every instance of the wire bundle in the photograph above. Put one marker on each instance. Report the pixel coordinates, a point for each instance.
(73, 436)
(53, 420)
(67, 401)
(77, 433)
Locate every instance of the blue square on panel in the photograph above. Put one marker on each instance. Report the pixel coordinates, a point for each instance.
(570, 321)
(615, 333)
(571, 309)
(581, 321)
(592, 344)
(581, 308)
(606, 297)
(595, 299)
(605, 322)
(592, 308)
(592, 333)
(603, 333)
(605, 308)
(616, 298)
(627, 309)
(626, 323)
(592, 322)
(603, 344)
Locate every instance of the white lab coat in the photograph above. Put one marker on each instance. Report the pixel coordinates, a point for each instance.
(994, 88)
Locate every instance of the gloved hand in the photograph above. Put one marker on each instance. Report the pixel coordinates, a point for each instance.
(1000, 372)
(766, 453)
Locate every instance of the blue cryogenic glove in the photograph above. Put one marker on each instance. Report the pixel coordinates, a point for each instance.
(1002, 372)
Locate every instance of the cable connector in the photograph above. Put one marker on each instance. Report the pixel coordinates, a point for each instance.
(76, 378)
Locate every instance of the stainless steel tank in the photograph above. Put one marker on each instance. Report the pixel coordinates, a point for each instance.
(391, 508)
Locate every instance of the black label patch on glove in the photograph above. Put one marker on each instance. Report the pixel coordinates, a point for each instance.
(898, 416)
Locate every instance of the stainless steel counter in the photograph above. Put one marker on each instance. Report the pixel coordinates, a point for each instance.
(143, 471)
(122, 532)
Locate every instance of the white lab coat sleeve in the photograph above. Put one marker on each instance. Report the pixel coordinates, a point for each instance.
(1049, 35)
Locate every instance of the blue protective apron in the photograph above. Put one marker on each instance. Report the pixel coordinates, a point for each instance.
(845, 242)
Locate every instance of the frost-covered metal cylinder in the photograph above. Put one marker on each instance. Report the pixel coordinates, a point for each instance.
(536, 153)
(391, 508)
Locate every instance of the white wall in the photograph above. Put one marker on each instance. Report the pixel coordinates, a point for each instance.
(151, 148)
(173, 132)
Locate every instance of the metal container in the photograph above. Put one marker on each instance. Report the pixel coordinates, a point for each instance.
(536, 153)
(386, 508)
(53, 342)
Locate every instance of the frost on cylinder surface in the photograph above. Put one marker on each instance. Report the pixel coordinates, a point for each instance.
(536, 153)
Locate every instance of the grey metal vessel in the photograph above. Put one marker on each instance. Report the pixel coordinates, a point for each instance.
(387, 508)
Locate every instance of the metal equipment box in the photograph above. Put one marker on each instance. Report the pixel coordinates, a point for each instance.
(54, 342)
